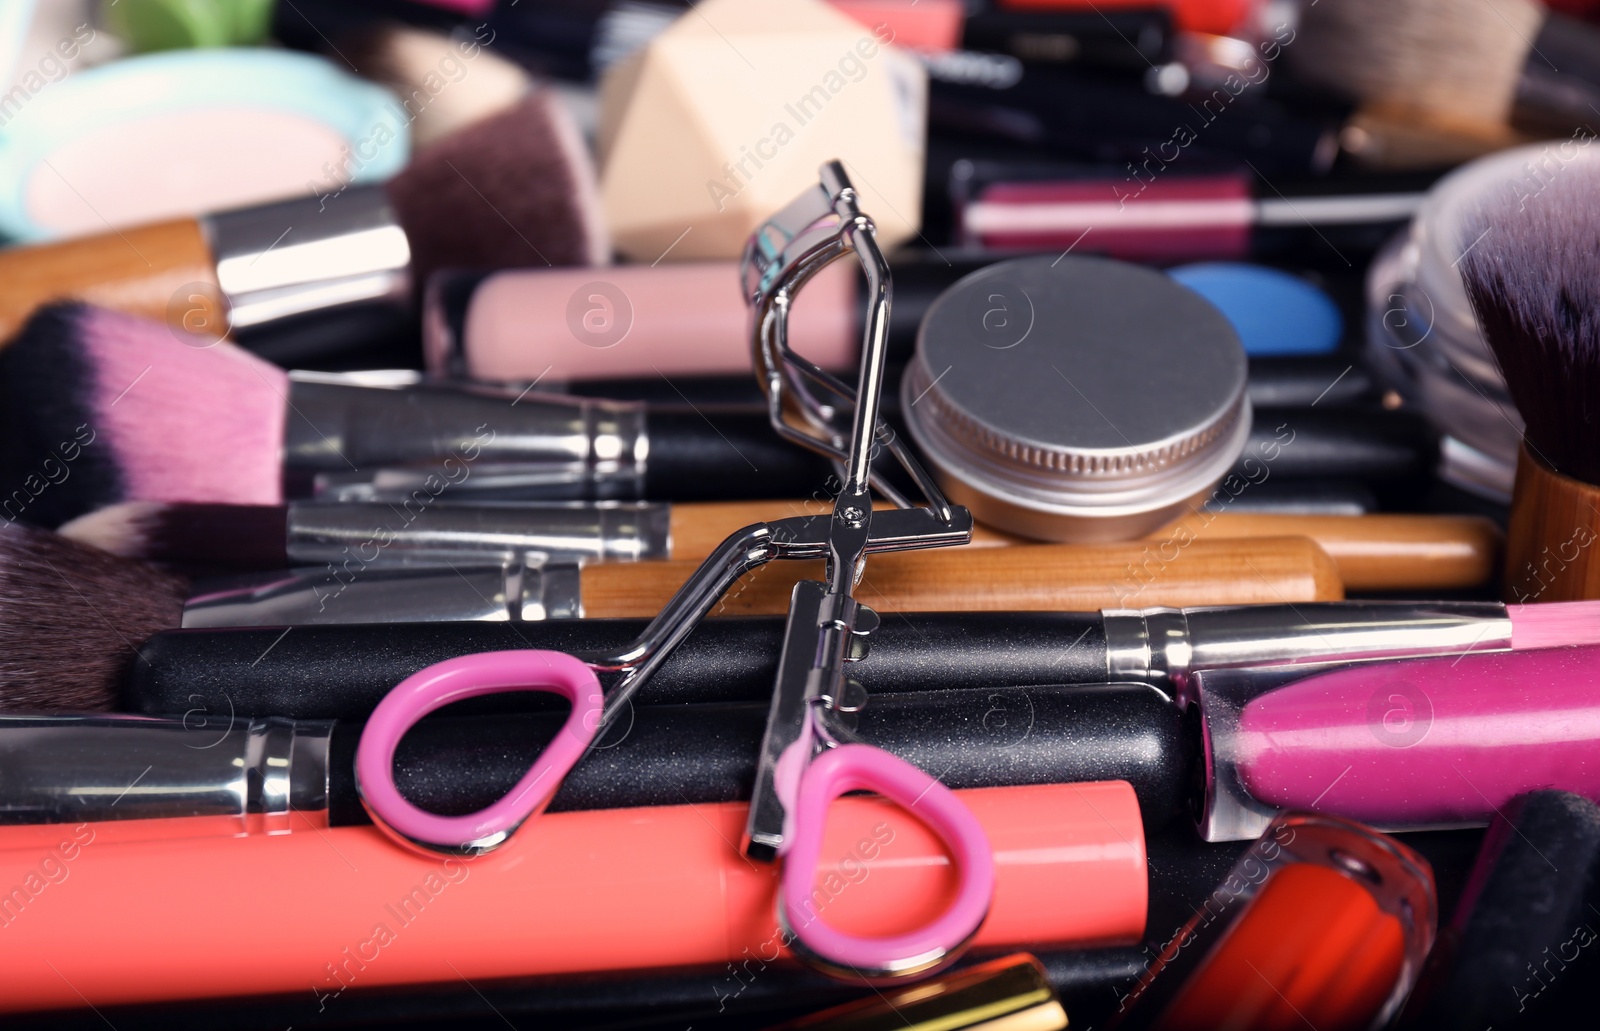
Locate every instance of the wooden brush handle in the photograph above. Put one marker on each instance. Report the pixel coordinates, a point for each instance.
(1372, 552)
(1026, 577)
(161, 271)
(1552, 536)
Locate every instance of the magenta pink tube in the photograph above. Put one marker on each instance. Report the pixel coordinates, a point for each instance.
(1425, 742)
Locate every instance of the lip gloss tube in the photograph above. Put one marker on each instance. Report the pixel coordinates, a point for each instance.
(1323, 923)
(629, 889)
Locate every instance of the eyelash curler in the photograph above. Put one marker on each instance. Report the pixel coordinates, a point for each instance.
(808, 758)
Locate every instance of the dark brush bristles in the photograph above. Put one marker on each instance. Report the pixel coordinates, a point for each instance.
(1533, 277)
(1520, 950)
(54, 462)
(513, 190)
(72, 618)
(192, 538)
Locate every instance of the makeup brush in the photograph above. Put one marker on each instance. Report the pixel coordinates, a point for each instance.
(52, 657)
(513, 189)
(1533, 277)
(341, 672)
(152, 414)
(1372, 552)
(1472, 62)
(1030, 578)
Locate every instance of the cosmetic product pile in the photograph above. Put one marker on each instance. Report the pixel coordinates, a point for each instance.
(865, 514)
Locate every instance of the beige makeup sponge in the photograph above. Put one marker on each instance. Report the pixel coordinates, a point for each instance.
(726, 115)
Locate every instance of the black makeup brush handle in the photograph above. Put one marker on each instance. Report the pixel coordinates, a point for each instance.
(1357, 443)
(677, 755)
(1088, 117)
(342, 672)
(707, 453)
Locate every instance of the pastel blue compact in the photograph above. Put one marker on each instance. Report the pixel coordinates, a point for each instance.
(1274, 312)
(183, 133)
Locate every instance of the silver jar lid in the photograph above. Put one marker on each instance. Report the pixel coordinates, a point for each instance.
(1076, 398)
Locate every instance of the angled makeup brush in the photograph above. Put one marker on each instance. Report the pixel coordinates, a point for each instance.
(1533, 276)
(1467, 62)
(513, 189)
(72, 618)
(139, 411)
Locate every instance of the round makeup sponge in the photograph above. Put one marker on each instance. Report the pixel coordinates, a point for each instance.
(1273, 312)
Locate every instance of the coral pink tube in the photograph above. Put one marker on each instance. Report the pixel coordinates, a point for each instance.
(622, 889)
(556, 325)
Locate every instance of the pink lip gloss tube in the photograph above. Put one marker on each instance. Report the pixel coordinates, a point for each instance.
(1426, 743)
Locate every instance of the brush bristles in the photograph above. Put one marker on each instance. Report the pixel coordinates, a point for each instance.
(194, 539)
(71, 620)
(1533, 276)
(149, 414)
(509, 191)
(1454, 59)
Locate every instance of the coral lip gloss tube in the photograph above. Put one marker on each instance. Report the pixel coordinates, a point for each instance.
(619, 889)
(1324, 923)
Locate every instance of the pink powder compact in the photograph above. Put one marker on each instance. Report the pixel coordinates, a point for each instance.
(176, 134)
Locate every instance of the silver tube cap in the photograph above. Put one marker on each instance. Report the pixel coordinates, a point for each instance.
(409, 532)
(74, 769)
(278, 262)
(352, 592)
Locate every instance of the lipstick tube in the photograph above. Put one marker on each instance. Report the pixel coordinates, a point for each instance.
(1011, 992)
(610, 890)
(1323, 923)
(341, 672)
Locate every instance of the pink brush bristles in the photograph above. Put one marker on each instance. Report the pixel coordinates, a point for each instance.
(187, 421)
(1554, 624)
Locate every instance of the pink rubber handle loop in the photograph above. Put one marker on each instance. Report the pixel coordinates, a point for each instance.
(862, 767)
(467, 677)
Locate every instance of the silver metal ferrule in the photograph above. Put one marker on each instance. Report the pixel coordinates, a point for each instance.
(574, 448)
(350, 591)
(1165, 647)
(276, 262)
(408, 532)
(75, 769)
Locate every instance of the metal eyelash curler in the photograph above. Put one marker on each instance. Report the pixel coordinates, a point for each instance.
(807, 757)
